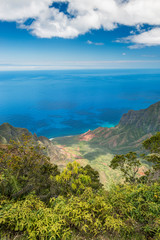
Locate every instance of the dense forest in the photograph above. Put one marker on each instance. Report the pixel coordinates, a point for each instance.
(38, 201)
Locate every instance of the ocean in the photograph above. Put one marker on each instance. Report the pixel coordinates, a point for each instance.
(69, 102)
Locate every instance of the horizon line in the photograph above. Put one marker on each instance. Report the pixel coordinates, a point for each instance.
(83, 65)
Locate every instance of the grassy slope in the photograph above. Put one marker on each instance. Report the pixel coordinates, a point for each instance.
(98, 157)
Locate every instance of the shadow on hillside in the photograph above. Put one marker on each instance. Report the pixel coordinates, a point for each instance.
(93, 155)
(67, 141)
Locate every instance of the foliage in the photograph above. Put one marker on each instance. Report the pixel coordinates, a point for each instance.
(88, 215)
(73, 180)
(139, 205)
(126, 212)
(75, 205)
(94, 175)
(153, 145)
(128, 164)
(25, 168)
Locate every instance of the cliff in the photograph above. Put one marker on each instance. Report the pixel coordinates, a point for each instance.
(133, 128)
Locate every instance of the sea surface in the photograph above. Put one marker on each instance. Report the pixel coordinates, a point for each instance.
(69, 102)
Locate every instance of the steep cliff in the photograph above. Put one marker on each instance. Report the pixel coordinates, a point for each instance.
(133, 128)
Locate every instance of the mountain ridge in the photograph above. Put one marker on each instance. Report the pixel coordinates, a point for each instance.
(97, 147)
(134, 127)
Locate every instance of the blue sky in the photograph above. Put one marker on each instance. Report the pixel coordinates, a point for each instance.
(37, 34)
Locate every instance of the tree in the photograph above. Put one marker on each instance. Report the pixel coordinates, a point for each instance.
(73, 180)
(153, 146)
(94, 175)
(25, 168)
(128, 164)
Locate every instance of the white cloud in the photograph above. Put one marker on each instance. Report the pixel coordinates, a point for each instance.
(95, 43)
(20, 10)
(86, 15)
(148, 38)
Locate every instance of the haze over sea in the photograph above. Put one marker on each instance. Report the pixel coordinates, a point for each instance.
(68, 102)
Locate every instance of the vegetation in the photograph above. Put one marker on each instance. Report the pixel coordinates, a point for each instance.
(24, 168)
(39, 202)
(128, 164)
(96, 157)
(153, 145)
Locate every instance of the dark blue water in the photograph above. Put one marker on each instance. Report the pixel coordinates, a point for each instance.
(58, 103)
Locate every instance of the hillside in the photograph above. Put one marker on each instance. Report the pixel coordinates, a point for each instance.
(133, 128)
(8, 132)
(96, 147)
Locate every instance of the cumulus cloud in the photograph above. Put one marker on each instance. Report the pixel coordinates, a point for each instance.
(82, 16)
(148, 38)
(20, 10)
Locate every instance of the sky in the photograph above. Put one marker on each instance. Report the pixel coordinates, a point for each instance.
(79, 34)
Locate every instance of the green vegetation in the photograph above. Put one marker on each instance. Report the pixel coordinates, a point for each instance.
(96, 157)
(39, 202)
(98, 147)
(128, 165)
(152, 144)
(24, 168)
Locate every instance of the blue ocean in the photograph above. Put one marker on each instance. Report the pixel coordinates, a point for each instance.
(69, 102)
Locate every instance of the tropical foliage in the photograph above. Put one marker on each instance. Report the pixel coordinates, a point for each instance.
(128, 164)
(153, 146)
(24, 168)
(39, 202)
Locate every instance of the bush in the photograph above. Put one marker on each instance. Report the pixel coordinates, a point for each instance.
(25, 168)
(139, 205)
(88, 216)
(75, 205)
